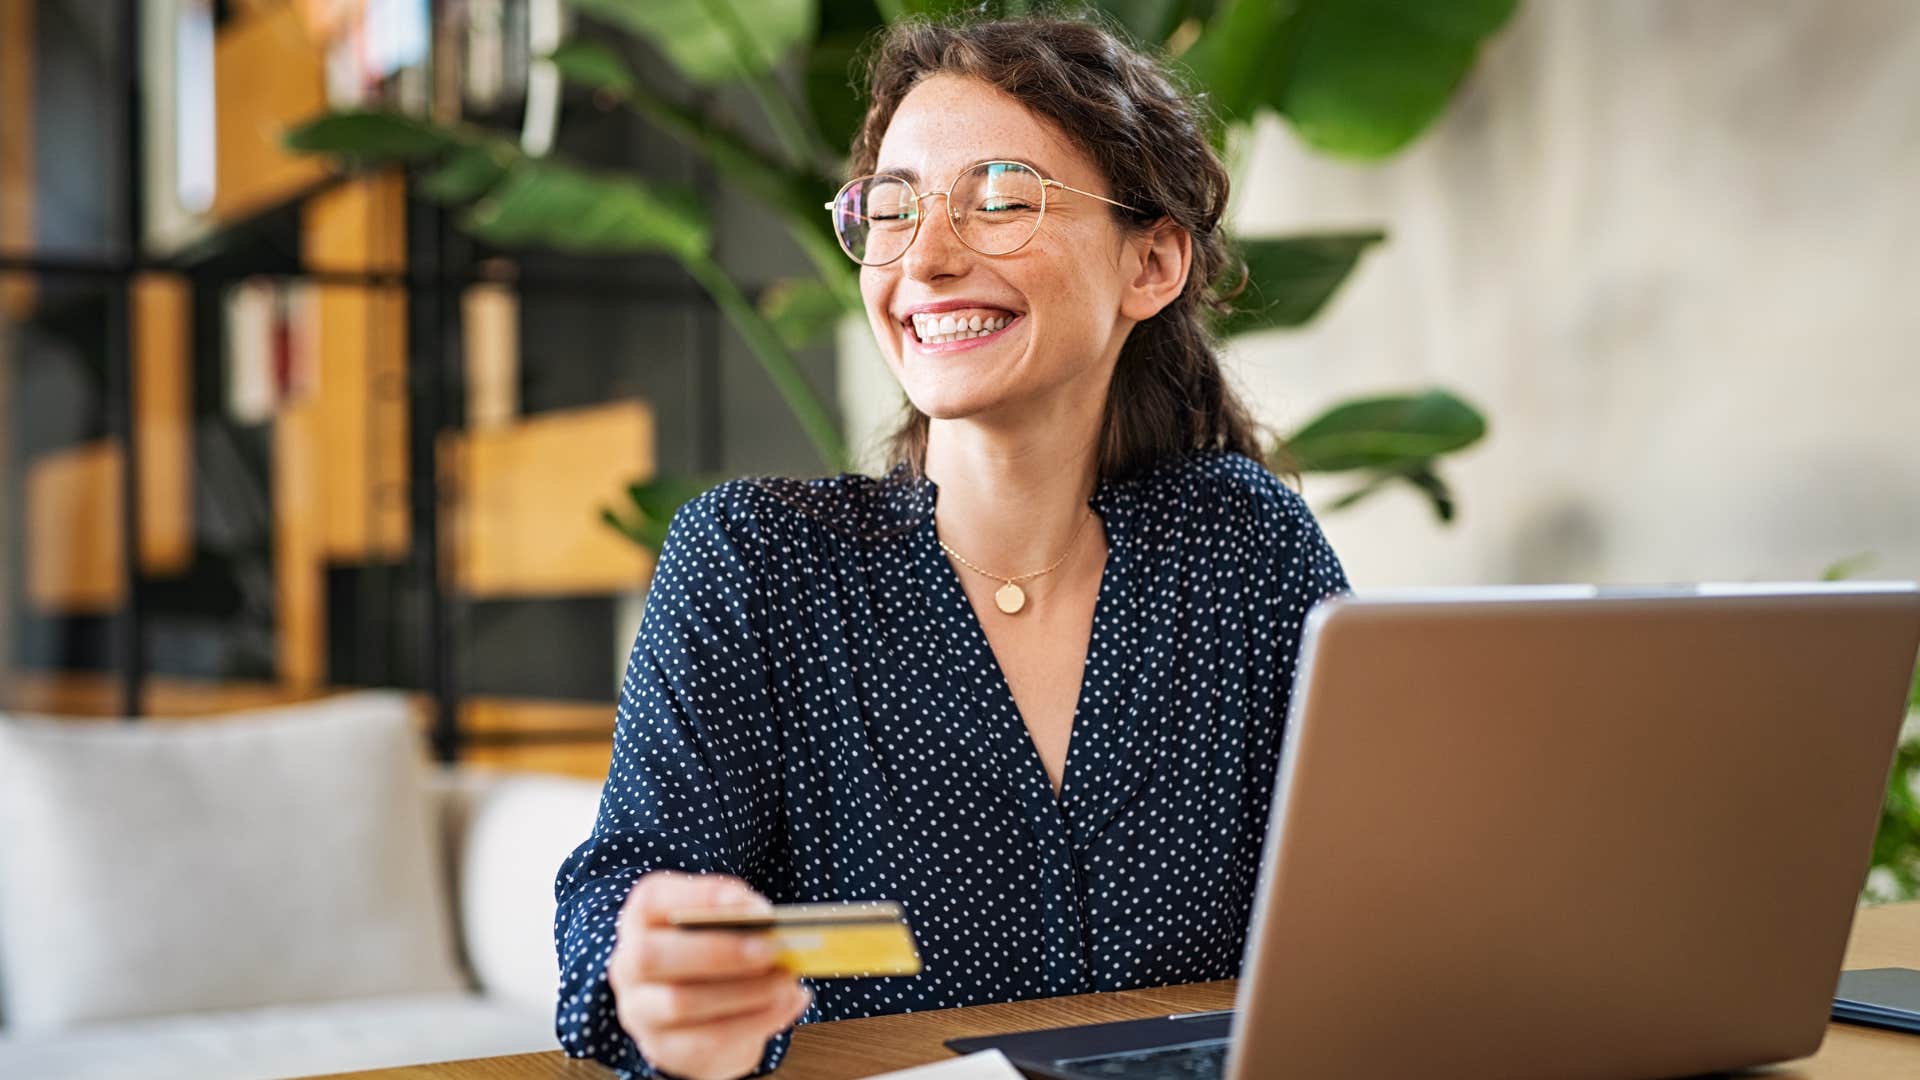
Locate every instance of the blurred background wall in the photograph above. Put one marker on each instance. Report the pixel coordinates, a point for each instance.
(1673, 252)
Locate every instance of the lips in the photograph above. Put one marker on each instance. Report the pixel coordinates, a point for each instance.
(959, 325)
(958, 341)
(958, 319)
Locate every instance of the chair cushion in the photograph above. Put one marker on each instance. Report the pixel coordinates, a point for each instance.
(283, 1040)
(511, 833)
(277, 856)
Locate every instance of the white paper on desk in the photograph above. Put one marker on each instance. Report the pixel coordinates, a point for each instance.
(985, 1065)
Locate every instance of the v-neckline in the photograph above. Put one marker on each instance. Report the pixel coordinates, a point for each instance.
(952, 595)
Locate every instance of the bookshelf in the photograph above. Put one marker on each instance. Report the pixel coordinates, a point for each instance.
(419, 493)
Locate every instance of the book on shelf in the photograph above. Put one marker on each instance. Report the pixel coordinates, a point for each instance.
(271, 346)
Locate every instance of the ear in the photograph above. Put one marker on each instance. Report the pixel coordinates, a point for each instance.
(1160, 262)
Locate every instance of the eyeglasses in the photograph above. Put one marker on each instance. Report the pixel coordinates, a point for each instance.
(994, 207)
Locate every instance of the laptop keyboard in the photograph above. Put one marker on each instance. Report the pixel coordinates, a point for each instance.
(1192, 1061)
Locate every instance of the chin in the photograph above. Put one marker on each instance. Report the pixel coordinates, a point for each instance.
(952, 402)
(956, 388)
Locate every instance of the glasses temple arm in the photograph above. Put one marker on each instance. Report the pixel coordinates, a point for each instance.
(1090, 195)
(848, 213)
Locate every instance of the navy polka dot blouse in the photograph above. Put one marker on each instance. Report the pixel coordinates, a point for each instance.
(812, 705)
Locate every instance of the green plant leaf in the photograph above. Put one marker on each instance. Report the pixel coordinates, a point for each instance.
(647, 532)
(1896, 843)
(1850, 566)
(1149, 21)
(1419, 474)
(1357, 78)
(713, 41)
(1366, 77)
(1234, 58)
(835, 93)
(1400, 433)
(940, 9)
(643, 531)
(775, 359)
(661, 497)
(802, 310)
(371, 137)
(651, 506)
(1372, 486)
(1439, 495)
(594, 64)
(466, 175)
(1289, 279)
(794, 194)
(838, 103)
(570, 209)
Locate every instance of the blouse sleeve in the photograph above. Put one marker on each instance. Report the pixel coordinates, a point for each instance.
(694, 783)
(1305, 571)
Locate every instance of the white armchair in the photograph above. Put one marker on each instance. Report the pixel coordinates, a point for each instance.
(277, 894)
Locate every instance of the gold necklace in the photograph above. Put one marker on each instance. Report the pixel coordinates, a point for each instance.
(1010, 597)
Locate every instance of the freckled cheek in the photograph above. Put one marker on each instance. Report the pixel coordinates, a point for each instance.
(874, 295)
(1066, 306)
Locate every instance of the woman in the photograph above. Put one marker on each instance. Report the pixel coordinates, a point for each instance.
(1031, 682)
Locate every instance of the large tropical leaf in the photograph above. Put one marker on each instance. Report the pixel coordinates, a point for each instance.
(1357, 78)
(795, 194)
(594, 64)
(1149, 21)
(1387, 433)
(1368, 76)
(467, 174)
(1421, 475)
(838, 103)
(375, 137)
(467, 162)
(1237, 52)
(714, 41)
(1289, 279)
(521, 201)
(940, 9)
(549, 204)
(652, 505)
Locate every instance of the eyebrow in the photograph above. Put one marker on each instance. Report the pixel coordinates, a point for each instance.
(913, 177)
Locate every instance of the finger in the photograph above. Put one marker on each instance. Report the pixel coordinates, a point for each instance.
(662, 954)
(660, 1006)
(697, 1042)
(657, 895)
(661, 893)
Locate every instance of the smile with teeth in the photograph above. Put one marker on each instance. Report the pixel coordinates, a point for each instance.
(958, 325)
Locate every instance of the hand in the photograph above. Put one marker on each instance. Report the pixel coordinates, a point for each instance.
(701, 1004)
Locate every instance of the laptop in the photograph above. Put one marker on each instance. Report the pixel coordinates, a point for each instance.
(1558, 831)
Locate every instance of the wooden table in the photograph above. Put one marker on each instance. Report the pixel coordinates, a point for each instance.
(1886, 936)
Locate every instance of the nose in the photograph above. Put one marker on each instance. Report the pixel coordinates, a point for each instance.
(937, 250)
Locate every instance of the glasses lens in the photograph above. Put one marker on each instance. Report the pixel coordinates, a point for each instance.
(996, 206)
(874, 218)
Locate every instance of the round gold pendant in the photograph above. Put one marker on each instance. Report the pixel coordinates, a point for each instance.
(1010, 598)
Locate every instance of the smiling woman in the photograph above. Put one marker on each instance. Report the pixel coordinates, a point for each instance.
(1029, 684)
(1095, 119)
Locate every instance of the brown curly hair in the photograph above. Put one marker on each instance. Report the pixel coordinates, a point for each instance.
(1128, 113)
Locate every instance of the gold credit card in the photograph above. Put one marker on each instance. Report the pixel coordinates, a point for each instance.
(824, 941)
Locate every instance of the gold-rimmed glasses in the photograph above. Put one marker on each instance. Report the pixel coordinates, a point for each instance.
(995, 207)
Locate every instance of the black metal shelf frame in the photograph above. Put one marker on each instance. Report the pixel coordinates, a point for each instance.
(432, 283)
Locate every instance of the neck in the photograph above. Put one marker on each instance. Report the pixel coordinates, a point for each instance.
(1010, 500)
